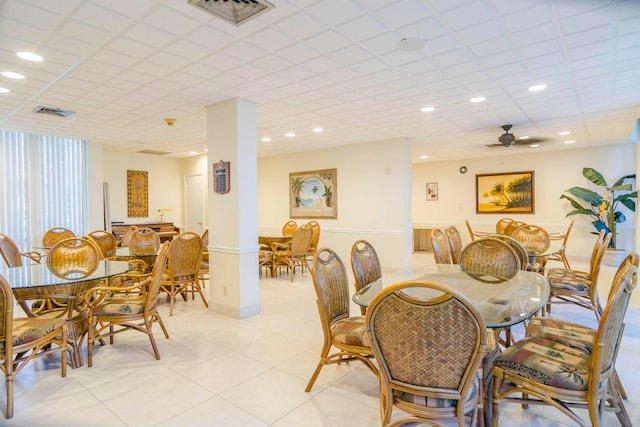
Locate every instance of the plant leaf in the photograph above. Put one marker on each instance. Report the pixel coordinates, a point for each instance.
(587, 195)
(594, 176)
(626, 187)
(623, 178)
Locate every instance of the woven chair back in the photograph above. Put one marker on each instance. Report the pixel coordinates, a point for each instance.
(441, 252)
(301, 240)
(144, 241)
(127, 235)
(534, 238)
(6, 319)
(185, 255)
(54, 235)
(159, 266)
(511, 227)
(488, 256)
(522, 253)
(288, 228)
(439, 354)
(365, 264)
(502, 224)
(205, 238)
(75, 257)
(10, 252)
(331, 286)
(455, 243)
(106, 242)
(609, 334)
(315, 237)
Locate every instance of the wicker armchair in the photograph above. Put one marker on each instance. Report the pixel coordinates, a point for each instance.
(181, 276)
(127, 235)
(489, 260)
(344, 333)
(429, 352)
(549, 372)
(11, 254)
(535, 240)
(440, 244)
(522, 253)
(365, 265)
(473, 235)
(293, 254)
(23, 339)
(54, 235)
(113, 310)
(511, 227)
(579, 287)
(502, 224)
(288, 228)
(315, 238)
(561, 255)
(106, 242)
(143, 245)
(455, 243)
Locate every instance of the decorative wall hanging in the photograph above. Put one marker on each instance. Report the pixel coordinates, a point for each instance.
(137, 194)
(505, 192)
(313, 194)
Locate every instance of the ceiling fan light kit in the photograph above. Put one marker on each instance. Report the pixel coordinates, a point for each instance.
(508, 139)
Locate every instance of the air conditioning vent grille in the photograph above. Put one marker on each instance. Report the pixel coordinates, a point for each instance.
(51, 111)
(235, 12)
(156, 152)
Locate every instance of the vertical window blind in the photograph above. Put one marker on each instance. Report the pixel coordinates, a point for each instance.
(43, 184)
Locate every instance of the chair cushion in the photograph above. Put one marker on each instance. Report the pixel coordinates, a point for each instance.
(568, 333)
(571, 280)
(119, 305)
(547, 362)
(26, 330)
(434, 402)
(350, 332)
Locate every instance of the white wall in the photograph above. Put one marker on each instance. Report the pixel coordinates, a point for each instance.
(554, 173)
(165, 185)
(374, 182)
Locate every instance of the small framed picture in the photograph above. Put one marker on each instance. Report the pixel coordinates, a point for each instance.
(432, 191)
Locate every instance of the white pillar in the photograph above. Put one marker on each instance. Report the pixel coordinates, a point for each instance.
(233, 217)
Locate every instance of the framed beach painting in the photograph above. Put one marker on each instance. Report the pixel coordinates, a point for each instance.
(313, 194)
(506, 192)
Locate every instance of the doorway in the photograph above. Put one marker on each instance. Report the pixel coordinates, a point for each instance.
(194, 204)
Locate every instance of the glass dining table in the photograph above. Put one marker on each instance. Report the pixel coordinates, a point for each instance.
(42, 292)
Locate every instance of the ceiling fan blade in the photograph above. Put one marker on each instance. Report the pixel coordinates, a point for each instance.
(498, 145)
(529, 141)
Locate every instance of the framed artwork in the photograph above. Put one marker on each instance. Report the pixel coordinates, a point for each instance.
(505, 192)
(432, 191)
(313, 194)
(137, 194)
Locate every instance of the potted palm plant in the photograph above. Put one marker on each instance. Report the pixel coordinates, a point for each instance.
(604, 208)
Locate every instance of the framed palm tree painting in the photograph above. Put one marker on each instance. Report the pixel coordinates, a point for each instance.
(313, 194)
(505, 192)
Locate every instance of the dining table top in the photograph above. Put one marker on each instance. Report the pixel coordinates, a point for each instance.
(39, 275)
(502, 302)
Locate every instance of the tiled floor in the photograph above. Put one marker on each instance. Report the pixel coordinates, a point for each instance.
(220, 371)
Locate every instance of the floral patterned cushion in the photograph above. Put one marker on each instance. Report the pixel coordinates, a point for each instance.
(26, 330)
(568, 333)
(433, 402)
(571, 280)
(548, 362)
(350, 332)
(119, 305)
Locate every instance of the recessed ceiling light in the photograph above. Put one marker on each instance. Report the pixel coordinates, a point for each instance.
(206, 149)
(30, 56)
(534, 145)
(571, 141)
(12, 75)
(427, 109)
(317, 130)
(193, 152)
(424, 157)
(4, 90)
(289, 134)
(537, 88)
(410, 44)
(266, 139)
(564, 132)
(478, 99)
(524, 137)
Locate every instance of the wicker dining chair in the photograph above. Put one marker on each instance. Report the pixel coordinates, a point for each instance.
(54, 235)
(11, 254)
(561, 254)
(511, 227)
(522, 253)
(288, 228)
(127, 235)
(489, 259)
(549, 372)
(365, 265)
(576, 286)
(113, 310)
(143, 245)
(429, 351)
(315, 238)
(23, 340)
(265, 259)
(181, 275)
(502, 224)
(455, 243)
(294, 253)
(345, 333)
(440, 245)
(106, 242)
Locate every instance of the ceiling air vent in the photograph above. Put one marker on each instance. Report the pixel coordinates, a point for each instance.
(235, 12)
(53, 111)
(157, 153)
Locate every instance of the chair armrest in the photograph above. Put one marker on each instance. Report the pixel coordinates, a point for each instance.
(281, 246)
(95, 295)
(33, 256)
